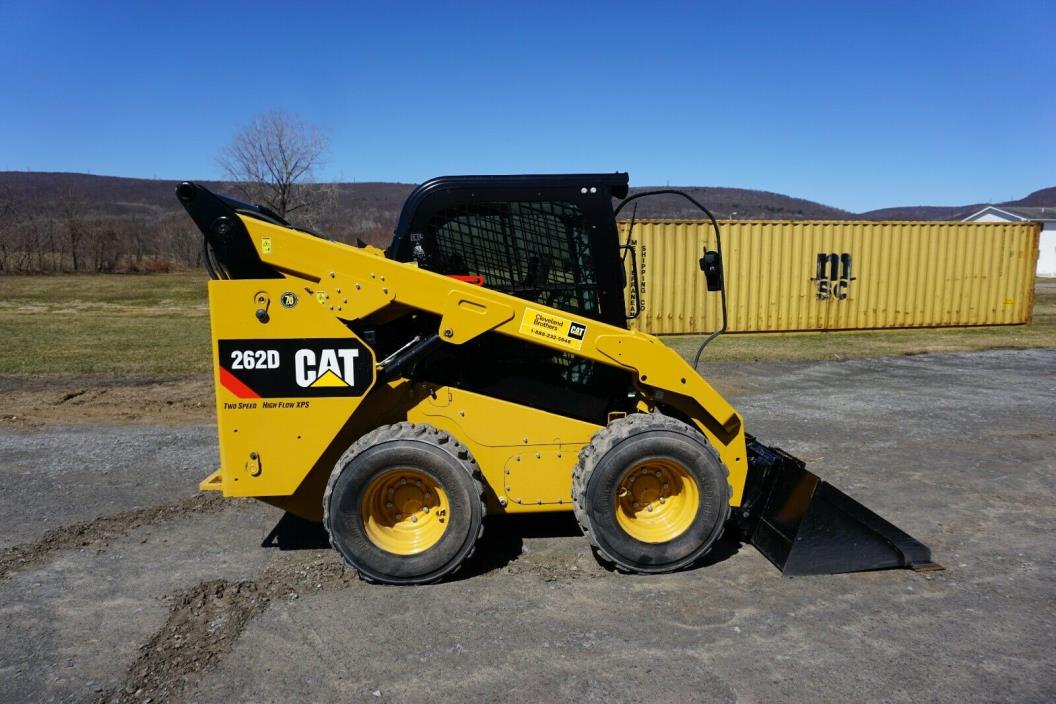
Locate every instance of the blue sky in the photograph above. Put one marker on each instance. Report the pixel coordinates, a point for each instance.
(860, 105)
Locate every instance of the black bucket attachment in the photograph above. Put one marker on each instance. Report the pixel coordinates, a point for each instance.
(807, 526)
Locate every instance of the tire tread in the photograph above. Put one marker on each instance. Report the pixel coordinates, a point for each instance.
(409, 431)
(606, 439)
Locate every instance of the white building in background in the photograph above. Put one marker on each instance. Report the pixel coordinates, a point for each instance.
(1047, 218)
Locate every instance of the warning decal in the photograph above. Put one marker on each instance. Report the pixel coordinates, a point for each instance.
(554, 328)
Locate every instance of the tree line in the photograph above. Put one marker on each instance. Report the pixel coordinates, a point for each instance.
(70, 236)
(74, 239)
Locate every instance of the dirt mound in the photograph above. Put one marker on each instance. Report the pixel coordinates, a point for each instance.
(34, 401)
(205, 622)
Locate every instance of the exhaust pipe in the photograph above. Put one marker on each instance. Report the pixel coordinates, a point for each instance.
(806, 526)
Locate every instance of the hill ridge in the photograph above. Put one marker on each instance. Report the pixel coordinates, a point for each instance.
(377, 203)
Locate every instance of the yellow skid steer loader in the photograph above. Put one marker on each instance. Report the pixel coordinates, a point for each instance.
(482, 366)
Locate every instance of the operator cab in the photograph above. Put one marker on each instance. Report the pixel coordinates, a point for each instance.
(549, 239)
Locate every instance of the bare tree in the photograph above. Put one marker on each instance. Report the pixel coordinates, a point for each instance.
(273, 161)
(8, 215)
(75, 226)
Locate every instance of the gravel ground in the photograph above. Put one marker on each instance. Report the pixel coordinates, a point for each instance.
(117, 584)
(67, 475)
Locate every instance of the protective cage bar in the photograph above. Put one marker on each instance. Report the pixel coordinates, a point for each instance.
(539, 251)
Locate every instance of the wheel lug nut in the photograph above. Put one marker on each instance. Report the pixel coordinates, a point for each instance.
(662, 499)
(418, 484)
(658, 474)
(665, 485)
(637, 505)
(649, 507)
(399, 516)
(388, 504)
(425, 510)
(402, 482)
(414, 519)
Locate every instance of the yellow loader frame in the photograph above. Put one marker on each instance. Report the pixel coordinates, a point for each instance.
(283, 450)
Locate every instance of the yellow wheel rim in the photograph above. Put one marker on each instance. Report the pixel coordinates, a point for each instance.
(656, 500)
(404, 511)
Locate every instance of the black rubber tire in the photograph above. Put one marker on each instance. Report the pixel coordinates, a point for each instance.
(426, 449)
(604, 461)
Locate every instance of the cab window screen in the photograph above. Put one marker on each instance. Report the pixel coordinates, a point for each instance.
(539, 251)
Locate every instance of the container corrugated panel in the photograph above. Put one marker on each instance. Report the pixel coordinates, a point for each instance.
(835, 275)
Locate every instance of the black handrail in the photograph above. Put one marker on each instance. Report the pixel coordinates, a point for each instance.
(718, 248)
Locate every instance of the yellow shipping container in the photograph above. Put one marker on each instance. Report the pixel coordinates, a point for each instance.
(835, 275)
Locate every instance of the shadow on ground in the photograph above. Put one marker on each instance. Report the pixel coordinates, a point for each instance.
(502, 544)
